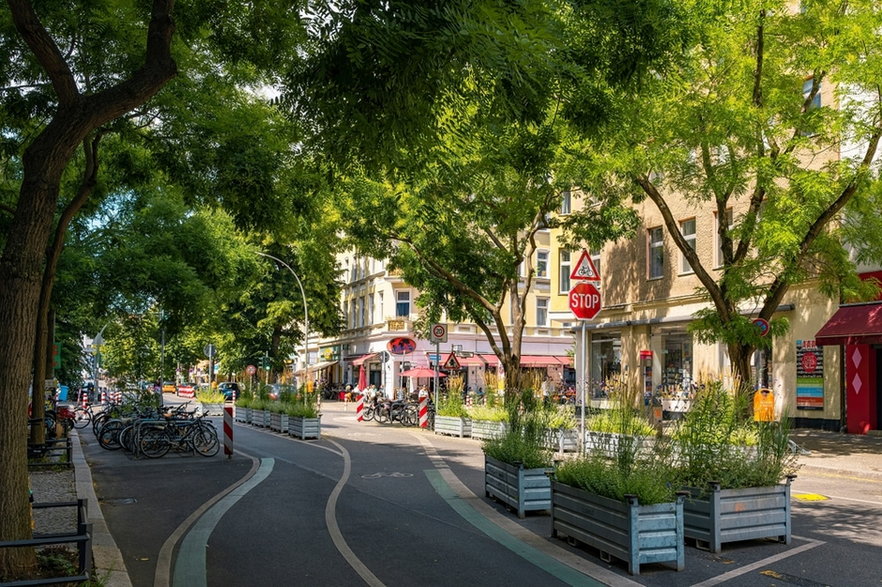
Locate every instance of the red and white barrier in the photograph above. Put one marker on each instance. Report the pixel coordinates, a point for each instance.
(228, 430)
(424, 412)
(359, 407)
(84, 399)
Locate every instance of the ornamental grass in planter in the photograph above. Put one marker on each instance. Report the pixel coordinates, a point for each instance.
(517, 463)
(737, 471)
(622, 498)
(243, 407)
(487, 422)
(304, 417)
(451, 416)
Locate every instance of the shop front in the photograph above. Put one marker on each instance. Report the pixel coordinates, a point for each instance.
(857, 330)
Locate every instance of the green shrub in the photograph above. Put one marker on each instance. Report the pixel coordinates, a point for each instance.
(301, 409)
(208, 396)
(450, 405)
(495, 414)
(523, 440)
(617, 421)
(718, 442)
(650, 480)
(561, 417)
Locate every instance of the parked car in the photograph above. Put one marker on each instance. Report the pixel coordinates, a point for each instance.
(187, 390)
(276, 389)
(230, 389)
(168, 387)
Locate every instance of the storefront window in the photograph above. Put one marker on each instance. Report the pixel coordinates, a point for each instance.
(677, 374)
(606, 363)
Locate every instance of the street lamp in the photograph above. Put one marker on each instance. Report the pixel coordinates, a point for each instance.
(305, 313)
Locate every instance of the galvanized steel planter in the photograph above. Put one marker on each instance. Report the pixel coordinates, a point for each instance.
(610, 444)
(562, 439)
(259, 418)
(637, 534)
(525, 490)
(453, 426)
(729, 515)
(304, 428)
(278, 421)
(242, 414)
(487, 429)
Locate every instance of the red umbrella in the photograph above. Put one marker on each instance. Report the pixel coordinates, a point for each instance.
(421, 372)
(362, 379)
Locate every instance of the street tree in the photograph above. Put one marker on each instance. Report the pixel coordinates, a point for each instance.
(68, 72)
(772, 120)
(453, 139)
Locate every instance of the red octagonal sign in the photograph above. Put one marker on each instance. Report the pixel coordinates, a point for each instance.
(584, 300)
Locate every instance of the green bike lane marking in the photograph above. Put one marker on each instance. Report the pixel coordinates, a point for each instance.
(545, 562)
(190, 570)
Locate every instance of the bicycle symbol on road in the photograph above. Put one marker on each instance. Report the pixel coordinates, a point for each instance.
(394, 475)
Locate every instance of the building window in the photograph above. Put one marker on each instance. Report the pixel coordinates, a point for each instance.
(687, 229)
(541, 263)
(565, 271)
(719, 247)
(541, 311)
(402, 304)
(566, 202)
(370, 312)
(361, 316)
(807, 89)
(656, 258)
(352, 315)
(382, 310)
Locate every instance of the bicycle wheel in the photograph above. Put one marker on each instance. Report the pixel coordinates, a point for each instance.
(108, 437)
(154, 443)
(204, 440)
(82, 418)
(382, 415)
(368, 413)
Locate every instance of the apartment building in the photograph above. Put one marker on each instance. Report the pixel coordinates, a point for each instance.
(379, 337)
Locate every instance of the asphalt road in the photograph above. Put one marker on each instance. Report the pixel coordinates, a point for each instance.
(386, 505)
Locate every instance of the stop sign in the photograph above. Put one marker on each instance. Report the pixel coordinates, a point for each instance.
(584, 300)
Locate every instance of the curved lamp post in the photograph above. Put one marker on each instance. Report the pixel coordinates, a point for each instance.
(305, 312)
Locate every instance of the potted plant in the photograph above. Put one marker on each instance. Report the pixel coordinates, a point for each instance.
(243, 408)
(487, 422)
(211, 401)
(304, 418)
(622, 503)
(451, 416)
(517, 463)
(259, 414)
(737, 471)
(561, 432)
(278, 416)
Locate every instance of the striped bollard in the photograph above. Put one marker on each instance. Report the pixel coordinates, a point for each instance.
(359, 406)
(84, 399)
(424, 412)
(228, 430)
(102, 397)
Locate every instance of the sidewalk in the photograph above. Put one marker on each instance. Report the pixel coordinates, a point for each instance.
(834, 453)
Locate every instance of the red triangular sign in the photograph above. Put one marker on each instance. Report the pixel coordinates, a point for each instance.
(451, 364)
(585, 269)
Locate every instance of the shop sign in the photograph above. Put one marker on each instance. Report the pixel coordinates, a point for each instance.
(401, 345)
(809, 376)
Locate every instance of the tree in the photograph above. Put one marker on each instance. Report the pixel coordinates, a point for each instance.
(74, 117)
(453, 132)
(751, 119)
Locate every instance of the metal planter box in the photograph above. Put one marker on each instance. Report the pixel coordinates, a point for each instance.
(729, 515)
(525, 490)
(637, 534)
(610, 444)
(300, 427)
(259, 418)
(487, 429)
(562, 439)
(278, 421)
(242, 414)
(453, 426)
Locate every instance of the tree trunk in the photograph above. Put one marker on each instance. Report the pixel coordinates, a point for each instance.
(23, 257)
(739, 355)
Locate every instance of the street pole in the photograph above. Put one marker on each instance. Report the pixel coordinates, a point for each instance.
(305, 313)
(437, 360)
(580, 383)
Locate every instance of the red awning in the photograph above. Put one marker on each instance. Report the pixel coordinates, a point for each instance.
(491, 360)
(359, 361)
(853, 324)
(543, 361)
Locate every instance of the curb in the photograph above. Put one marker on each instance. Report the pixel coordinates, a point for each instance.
(840, 472)
(108, 560)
